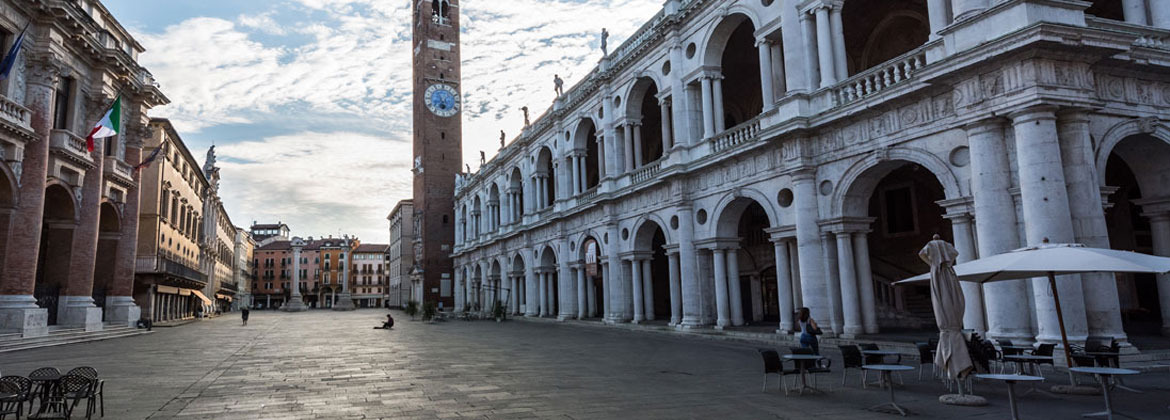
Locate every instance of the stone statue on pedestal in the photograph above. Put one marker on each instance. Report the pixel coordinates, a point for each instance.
(502, 136)
(604, 42)
(559, 85)
(482, 158)
(525, 109)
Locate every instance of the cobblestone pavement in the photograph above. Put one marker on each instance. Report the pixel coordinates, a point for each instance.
(334, 365)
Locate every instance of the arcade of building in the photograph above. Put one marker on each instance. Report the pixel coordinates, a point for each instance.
(735, 160)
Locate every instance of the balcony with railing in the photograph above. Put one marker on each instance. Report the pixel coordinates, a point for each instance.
(646, 172)
(880, 77)
(69, 145)
(15, 115)
(164, 265)
(735, 137)
(116, 169)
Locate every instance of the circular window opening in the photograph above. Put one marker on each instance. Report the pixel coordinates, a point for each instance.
(784, 198)
(961, 156)
(766, 3)
(572, 246)
(605, 238)
(617, 101)
(674, 222)
(826, 187)
(625, 234)
(666, 68)
(701, 216)
(691, 50)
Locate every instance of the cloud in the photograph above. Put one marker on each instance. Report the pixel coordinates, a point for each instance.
(317, 182)
(333, 79)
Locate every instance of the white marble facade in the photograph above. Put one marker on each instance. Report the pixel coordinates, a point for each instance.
(738, 159)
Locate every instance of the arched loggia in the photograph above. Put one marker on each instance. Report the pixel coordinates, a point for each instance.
(109, 234)
(546, 276)
(60, 220)
(646, 118)
(544, 179)
(736, 94)
(650, 273)
(749, 283)
(877, 31)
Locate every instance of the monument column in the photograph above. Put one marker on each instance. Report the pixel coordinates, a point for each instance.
(344, 301)
(295, 302)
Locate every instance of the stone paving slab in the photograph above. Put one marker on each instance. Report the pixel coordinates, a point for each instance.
(333, 365)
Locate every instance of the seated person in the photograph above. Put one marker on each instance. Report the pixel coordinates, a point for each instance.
(388, 324)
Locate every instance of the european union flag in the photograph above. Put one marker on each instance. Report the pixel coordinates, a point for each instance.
(10, 58)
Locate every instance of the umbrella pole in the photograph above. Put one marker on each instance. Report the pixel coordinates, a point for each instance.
(1060, 320)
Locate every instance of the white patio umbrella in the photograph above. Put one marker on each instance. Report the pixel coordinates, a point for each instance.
(1051, 260)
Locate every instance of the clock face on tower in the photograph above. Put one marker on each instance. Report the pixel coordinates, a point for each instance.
(442, 100)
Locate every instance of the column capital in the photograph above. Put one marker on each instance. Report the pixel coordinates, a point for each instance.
(1156, 207)
(1033, 113)
(958, 208)
(45, 69)
(781, 234)
(985, 124)
(1073, 115)
(671, 249)
(846, 225)
(805, 174)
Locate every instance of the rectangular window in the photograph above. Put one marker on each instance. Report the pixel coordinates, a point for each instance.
(63, 103)
(898, 210)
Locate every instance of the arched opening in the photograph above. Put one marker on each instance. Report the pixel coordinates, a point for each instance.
(517, 285)
(491, 289)
(651, 259)
(1107, 9)
(476, 297)
(643, 107)
(901, 197)
(755, 259)
(109, 234)
(547, 282)
(1139, 167)
(493, 207)
(734, 44)
(477, 217)
(60, 220)
(591, 254)
(440, 11)
(516, 195)
(545, 178)
(585, 139)
(7, 206)
(877, 31)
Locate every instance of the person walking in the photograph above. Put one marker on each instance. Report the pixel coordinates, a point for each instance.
(808, 330)
(244, 315)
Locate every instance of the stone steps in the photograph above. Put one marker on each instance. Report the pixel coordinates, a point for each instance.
(62, 336)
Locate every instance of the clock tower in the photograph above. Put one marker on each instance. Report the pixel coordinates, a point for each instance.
(438, 148)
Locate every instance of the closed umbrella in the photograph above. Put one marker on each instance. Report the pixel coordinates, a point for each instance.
(1051, 260)
(947, 298)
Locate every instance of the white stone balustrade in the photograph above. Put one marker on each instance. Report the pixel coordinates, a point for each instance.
(647, 171)
(880, 77)
(735, 136)
(15, 114)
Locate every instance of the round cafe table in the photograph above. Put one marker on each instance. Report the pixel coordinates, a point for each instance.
(885, 371)
(808, 359)
(1103, 374)
(1010, 380)
(52, 397)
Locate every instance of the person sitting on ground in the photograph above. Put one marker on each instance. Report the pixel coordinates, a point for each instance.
(388, 324)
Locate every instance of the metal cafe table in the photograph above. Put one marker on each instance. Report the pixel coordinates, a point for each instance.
(1103, 374)
(1010, 380)
(886, 380)
(808, 359)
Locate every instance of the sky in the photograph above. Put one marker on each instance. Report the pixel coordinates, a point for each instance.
(308, 102)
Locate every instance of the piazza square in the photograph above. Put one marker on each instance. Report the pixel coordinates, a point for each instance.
(929, 208)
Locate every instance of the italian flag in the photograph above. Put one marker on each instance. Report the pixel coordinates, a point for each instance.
(110, 124)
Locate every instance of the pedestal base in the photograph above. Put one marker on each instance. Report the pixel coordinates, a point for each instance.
(20, 313)
(79, 312)
(966, 400)
(295, 304)
(344, 302)
(122, 310)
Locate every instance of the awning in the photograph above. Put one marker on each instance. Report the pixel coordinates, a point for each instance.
(223, 296)
(170, 290)
(205, 300)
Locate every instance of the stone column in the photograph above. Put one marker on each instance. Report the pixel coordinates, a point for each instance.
(296, 303)
(850, 302)
(1044, 199)
(1160, 14)
(638, 161)
(963, 9)
(615, 297)
(708, 110)
(995, 226)
(120, 306)
(937, 11)
(734, 292)
(576, 174)
(675, 288)
(532, 289)
(840, 62)
(591, 291)
(814, 293)
(1102, 305)
(566, 289)
(783, 285)
(344, 301)
(628, 130)
(720, 269)
(808, 33)
(458, 289)
(544, 309)
(836, 314)
(717, 103)
(601, 173)
(769, 94)
(690, 291)
(972, 292)
(865, 283)
(648, 289)
(18, 307)
(639, 302)
(582, 296)
(667, 137)
(794, 261)
(1160, 233)
(1135, 11)
(825, 47)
